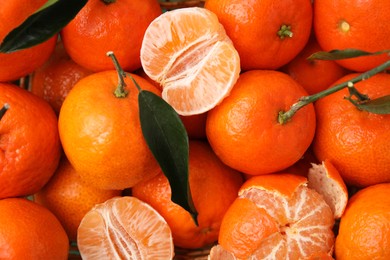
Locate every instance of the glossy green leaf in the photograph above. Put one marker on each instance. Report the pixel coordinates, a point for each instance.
(167, 138)
(377, 106)
(42, 25)
(343, 54)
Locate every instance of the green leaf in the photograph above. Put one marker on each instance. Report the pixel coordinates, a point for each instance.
(343, 54)
(377, 106)
(167, 138)
(42, 25)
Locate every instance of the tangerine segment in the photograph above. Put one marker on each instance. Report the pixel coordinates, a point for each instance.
(188, 52)
(207, 84)
(124, 228)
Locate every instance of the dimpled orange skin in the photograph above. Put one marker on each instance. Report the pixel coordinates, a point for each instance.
(313, 75)
(213, 186)
(363, 25)
(244, 130)
(69, 198)
(253, 27)
(101, 133)
(356, 142)
(101, 27)
(56, 77)
(364, 231)
(20, 63)
(30, 147)
(30, 231)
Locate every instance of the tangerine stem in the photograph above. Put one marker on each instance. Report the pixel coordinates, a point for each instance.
(284, 117)
(285, 31)
(3, 110)
(353, 92)
(120, 91)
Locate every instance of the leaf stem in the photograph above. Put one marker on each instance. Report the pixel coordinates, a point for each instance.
(284, 117)
(120, 91)
(4, 109)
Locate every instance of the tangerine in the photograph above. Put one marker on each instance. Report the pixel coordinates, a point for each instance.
(276, 216)
(364, 231)
(124, 228)
(244, 130)
(188, 53)
(69, 198)
(56, 77)
(30, 231)
(353, 140)
(267, 34)
(342, 24)
(101, 131)
(30, 147)
(20, 63)
(106, 25)
(213, 188)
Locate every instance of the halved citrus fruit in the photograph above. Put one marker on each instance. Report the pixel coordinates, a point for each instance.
(296, 220)
(188, 52)
(124, 228)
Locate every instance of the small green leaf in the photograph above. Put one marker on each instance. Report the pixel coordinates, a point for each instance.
(343, 54)
(377, 106)
(167, 138)
(42, 25)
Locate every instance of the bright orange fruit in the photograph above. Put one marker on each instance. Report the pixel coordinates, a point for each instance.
(29, 142)
(187, 51)
(30, 231)
(70, 198)
(364, 231)
(267, 34)
(244, 130)
(342, 24)
(277, 216)
(124, 228)
(213, 187)
(20, 63)
(54, 79)
(101, 133)
(313, 75)
(106, 25)
(356, 142)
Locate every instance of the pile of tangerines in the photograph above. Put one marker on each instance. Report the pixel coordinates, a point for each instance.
(288, 156)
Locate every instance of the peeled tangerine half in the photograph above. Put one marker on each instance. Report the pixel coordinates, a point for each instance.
(276, 216)
(188, 52)
(124, 228)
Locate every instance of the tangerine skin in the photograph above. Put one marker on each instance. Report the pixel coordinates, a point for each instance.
(253, 27)
(20, 63)
(101, 134)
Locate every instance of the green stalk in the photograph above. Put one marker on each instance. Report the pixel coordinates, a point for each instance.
(120, 91)
(284, 117)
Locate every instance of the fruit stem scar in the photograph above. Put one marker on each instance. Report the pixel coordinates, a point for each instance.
(285, 31)
(120, 91)
(344, 26)
(4, 109)
(285, 116)
(107, 2)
